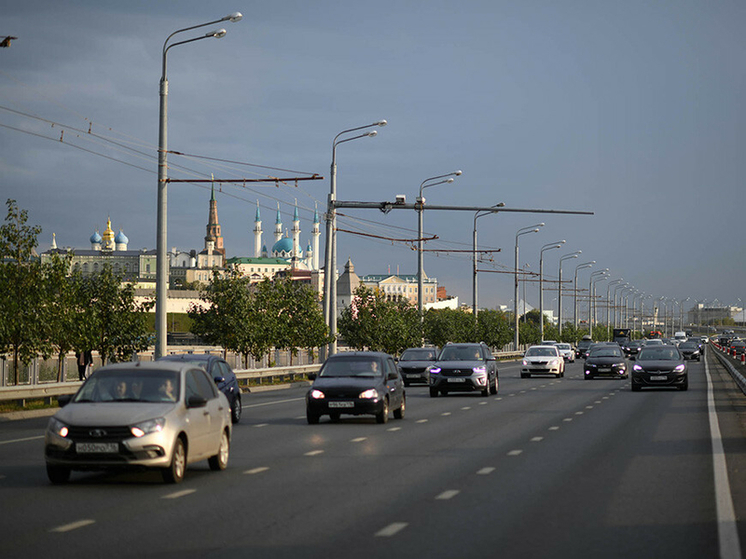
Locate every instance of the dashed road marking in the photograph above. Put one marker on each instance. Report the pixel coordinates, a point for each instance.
(261, 424)
(567, 419)
(394, 429)
(450, 494)
(554, 428)
(445, 413)
(73, 526)
(515, 452)
(466, 408)
(179, 494)
(589, 407)
(482, 403)
(391, 529)
(537, 439)
(258, 470)
(422, 421)
(579, 413)
(314, 453)
(359, 439)
(485, 471)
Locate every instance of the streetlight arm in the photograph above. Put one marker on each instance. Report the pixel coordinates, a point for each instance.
(379, 123)
(233, 18)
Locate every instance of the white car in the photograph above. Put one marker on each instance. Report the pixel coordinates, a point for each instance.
(566, 351)
(543, 360)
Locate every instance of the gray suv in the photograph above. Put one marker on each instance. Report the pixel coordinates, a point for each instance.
(465, 367)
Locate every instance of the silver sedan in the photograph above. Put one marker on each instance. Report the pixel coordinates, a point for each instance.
(162, 415)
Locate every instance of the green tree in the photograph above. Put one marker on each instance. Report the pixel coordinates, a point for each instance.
(375, 323)
(65, 309)
(493, 328)
(448, 325)
(22, 296)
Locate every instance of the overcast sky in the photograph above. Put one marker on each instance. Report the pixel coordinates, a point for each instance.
(631, 110)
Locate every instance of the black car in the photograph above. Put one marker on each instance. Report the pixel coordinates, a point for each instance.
(220, 372)
(737, 347)
(464, 367)
(356, 383)
(660, 366)
(581, 350)
(633, 347)
(690, 350)
(605, 360)
(414, 362)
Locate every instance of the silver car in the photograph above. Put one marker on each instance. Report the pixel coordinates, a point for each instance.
(162, 415)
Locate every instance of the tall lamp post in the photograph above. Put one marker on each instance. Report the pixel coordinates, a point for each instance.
(549, 246)
(420, 218)
(330, 256)
(602, 274)
(575, 292)
(617, 309)
(523, 231)
(478, 214)
(162, 263)
(608, 306)
(559, 288)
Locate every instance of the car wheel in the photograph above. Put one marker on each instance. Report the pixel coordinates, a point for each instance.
(236, 410)
(433, 392)
(311, 417)
(494, 387)
(684, 386)
(58, 474)
(174, 473)
(383, 415)
(399, 412)
(334, 416)
(220, 460)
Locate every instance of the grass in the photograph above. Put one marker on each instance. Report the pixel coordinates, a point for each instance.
(25, 405)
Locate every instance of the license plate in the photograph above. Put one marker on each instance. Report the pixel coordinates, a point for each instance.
(87, 448)
(456, 380)
(415, 375)
(341, 404)
(658, 377)
(604, 369)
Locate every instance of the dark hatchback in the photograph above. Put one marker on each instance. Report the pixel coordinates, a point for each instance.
(582, 348)
(220, 372)
(414, 362)
(633, 347)
(356, 383)
(660, 366)
(464, 367)
(690, 350)
(605, 361)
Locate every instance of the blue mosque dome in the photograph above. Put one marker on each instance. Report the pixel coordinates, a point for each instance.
(121, 238)
(96, 238)
(283, 245)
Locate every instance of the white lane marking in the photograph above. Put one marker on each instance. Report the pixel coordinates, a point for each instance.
(605, 398)
(178, 494)
(261, 424)
(579, 413)
(515, 452)
(450, 494)
(523, 391)
(300, 417)
(554, 428)
(730, 547)
(274, 403)
(359, 439)
(537, 439)
(485, 471)
(314, 453)
(73, 525)
(258, 470)
(392, 529)
(445, 413)
(22, 440)
(422, 421)
(567, 419)
(589, 407)
(597, 402)
(482, 403)
(466, 408)
(500, 398)
(394, 429)
(511, 394)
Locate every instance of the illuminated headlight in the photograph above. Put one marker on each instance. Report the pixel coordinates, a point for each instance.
(482, 370)
(58, 428)
(620, 366)
(370, 394)
(554, 363)
(679, 368)
(525, 363)
(638, 368)
(317, 394)
(150, 426)
(434, 370)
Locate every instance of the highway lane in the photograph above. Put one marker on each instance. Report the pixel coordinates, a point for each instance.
(548, 467)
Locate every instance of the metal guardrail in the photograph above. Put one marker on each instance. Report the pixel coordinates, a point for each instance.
(730, 364)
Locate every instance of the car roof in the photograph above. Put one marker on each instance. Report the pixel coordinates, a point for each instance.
(189, 357)
(166, 366)
(379, 354)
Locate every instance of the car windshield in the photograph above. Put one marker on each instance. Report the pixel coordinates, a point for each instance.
(541, 352)
(352, 367)
(605, 352)
(654, 342)
(564, 346)
(124, 385)
(689, 345)
(463, 353)
(418, 355)
(659, 354)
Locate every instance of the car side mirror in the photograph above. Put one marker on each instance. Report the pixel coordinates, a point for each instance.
(631, 357)
(64, 399)
(196, 402)
(311, 376)
(393, 376)
(219, 380)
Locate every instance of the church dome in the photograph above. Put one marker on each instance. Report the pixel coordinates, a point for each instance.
(121, 238)
(283, 245)
(96, 238)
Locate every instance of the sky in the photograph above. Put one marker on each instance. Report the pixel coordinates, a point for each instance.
(631, 110)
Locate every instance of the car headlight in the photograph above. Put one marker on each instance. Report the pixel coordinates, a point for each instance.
(482, 369)
(58, 428)
(525, 363)
(150, 426)
(370, 394)
(434, 370)
(679, 368)
(317, 394)
(619, 365)
(638, 368)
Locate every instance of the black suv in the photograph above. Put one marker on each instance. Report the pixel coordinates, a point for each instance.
(220, 372)
(463, 368)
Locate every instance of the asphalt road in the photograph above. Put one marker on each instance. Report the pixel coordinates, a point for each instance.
(547, 468)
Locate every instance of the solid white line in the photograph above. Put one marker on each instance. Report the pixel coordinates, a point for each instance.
(314, 453)
(274, 403)
(179, 494)
(22, 440)
(730, 547)
(450, 494)
(256, 470)
(73, 526)
(391, 529)
(485, 471)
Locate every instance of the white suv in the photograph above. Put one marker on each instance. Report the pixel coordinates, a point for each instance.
(566, 351)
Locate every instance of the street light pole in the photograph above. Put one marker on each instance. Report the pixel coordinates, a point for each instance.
(575, 293)
(592, 295)
(330, 256)
(559, 288)
(162, 263)
(549, 246)
(478, 214)
(608, 309)
(420, 226)
(523, 231)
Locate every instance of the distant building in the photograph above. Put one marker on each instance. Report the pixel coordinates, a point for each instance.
(395, 286)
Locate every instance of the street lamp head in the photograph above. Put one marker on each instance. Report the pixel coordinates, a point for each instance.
(218, 33)
(372, 134)
(381, 123)
(500, 205)
(457, 173)
(234, 17)
(450, 180)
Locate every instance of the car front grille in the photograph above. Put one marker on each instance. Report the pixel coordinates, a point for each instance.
(99, 434)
